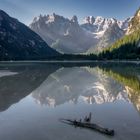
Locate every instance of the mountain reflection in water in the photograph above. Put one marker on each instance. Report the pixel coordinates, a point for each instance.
(53, 84)
(34, 96)
(18, 81)
(129, 76)
(74, 84)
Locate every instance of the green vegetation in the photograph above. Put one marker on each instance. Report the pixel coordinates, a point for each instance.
(73, 57)
(130, 81)
(126, 48)
(135, 22)
(129, 77)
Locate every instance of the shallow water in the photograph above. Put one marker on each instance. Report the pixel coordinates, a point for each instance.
(34, 96)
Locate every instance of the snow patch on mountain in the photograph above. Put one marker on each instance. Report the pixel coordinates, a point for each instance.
(65, 35)
(68, 36)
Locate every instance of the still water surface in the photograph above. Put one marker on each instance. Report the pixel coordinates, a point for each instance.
(34, 96)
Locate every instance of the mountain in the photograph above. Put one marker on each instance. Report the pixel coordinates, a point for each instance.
(65, 35)
(127, 47)
(18, 42)
(68, 36)
(124, 24)
(111, 34)
(135, 23)
(99, 24)
(106, 30)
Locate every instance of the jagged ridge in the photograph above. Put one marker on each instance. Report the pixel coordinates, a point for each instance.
(68, 36)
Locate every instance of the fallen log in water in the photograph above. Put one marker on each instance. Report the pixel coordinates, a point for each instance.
(89, 126)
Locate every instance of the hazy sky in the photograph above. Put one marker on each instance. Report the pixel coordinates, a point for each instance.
(25, 10)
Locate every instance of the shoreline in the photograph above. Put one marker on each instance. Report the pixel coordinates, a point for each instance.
(73, 61)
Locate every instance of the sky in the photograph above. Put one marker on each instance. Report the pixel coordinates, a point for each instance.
(26, 10)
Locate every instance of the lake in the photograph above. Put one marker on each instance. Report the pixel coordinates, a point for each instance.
(35, 95)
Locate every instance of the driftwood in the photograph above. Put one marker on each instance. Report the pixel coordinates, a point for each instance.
(89, 126)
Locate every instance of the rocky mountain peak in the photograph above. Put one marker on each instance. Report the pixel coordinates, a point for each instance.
(89, 20)
(68, 36)
(100, 25)
(49, 18)
(134, 23)
(74, 19)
